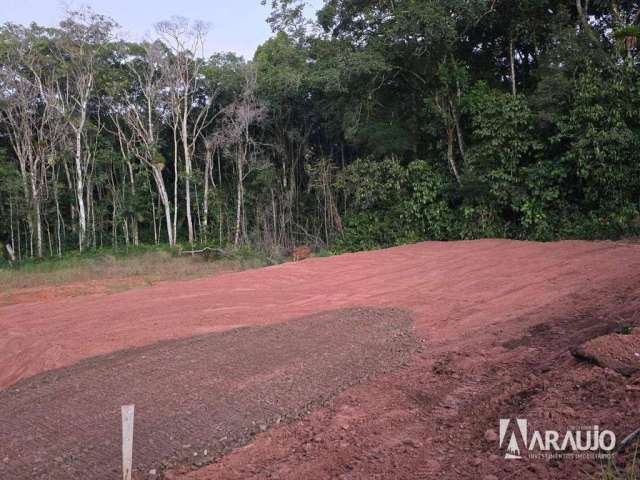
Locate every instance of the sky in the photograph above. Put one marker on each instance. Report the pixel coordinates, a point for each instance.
(236, 25)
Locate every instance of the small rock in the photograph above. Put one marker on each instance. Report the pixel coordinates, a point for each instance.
(152, 471)
(539, 469)
(412, 443)
(490, 477)
(491, 436)
(5, 459)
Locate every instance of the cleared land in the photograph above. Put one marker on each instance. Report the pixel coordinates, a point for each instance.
(196, 397)
(497, 320)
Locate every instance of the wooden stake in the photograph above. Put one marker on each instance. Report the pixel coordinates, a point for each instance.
(127, 440)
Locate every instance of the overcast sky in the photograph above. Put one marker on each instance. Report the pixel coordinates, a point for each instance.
(237, 25)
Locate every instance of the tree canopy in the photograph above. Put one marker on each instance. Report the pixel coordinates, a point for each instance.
(374, 123)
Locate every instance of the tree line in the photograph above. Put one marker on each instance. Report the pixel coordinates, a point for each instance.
(375, 123)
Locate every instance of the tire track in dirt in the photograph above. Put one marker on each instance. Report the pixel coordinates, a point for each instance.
(195, 398)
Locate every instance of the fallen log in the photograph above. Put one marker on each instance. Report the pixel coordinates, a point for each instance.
(207, 252)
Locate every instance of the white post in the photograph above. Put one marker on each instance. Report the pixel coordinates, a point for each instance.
(127, 441)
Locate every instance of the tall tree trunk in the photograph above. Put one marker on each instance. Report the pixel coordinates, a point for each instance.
(456, 122)
(58, 218)
(197, 237)
(450, 157)
(220, 214)
(13, 242)
(164, 198)
(205, 206)
(19, 241)
(82, 217)
(11, 253)
(205, 200)
(153, 211)
(49, 239)
(38, 227)
(27, 195)
(175, 183)
(187, 166)
(239, 199)
(35, 201)
(513, 68)
(134, 219)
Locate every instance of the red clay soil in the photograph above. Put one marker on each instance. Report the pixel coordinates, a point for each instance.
(194, 397)
(619, 352)
(497, 319)
(14, 295)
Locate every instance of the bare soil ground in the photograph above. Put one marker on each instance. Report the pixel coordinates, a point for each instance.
(497, 319)
(616, 351)
(194, 397)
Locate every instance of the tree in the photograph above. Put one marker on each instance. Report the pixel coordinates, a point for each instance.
(239, 117)
(188, 103)
(75, 50)
(139, 113)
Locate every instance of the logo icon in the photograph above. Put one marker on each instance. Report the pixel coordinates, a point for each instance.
(518, 441)
(513, 449)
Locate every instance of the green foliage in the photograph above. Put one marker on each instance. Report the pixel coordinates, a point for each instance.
(376, 191)
(506, 161)
(75, 259)
(532, 106)
(426, 209)
(603, 139)
(393, 204)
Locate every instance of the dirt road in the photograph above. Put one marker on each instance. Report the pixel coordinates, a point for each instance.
(497, 319)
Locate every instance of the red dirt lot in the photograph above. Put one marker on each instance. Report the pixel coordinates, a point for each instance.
(195, 397)
(497, 320)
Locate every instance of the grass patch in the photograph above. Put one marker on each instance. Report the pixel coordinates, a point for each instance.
(629, 470)
(625, 329)
(149, 264)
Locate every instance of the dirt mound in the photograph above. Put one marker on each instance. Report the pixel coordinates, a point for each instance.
(619, 352)
(195, 398)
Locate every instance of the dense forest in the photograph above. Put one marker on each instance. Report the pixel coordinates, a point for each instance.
(375, 123)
